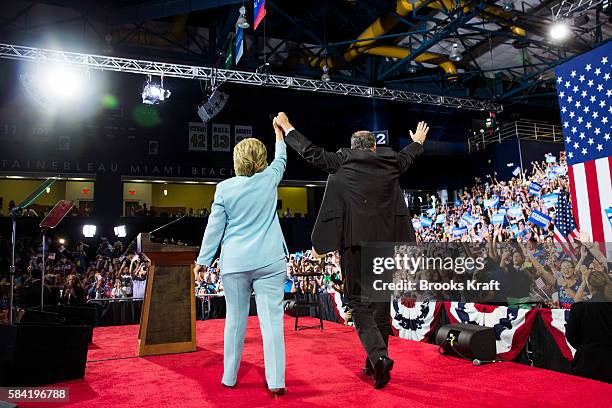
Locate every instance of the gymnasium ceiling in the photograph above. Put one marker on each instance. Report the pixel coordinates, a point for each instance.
(404, 44)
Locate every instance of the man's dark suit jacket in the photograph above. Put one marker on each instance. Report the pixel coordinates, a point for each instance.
(363, 201)
(589, 331)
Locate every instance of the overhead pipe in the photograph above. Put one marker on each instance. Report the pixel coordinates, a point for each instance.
(382, 25)
(392, 51)
(173, 35)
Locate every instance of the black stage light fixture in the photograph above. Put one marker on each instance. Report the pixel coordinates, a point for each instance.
(212, 105)
(469, 341)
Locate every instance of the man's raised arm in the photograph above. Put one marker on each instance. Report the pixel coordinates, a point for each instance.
(327, 161)
(409, 153)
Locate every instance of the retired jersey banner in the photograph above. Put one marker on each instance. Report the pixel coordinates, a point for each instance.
(555, 321)
(220, 137)
(198, 137)
(242, 132)
(511, 325)
(415, 320)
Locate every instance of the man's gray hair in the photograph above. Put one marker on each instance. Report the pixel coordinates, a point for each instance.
(363, 140)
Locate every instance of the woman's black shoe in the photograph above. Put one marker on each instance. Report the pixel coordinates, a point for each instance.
(382, 372)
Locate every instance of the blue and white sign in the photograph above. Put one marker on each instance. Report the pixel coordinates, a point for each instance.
(515, 211)
(534, 188)
(440, 218)
(459, 231)
(491, 202)
(426, 222)
(498, 219)
(540, 219)
(550, 200)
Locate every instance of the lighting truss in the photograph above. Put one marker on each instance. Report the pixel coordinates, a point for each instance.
(154, 68)
(569, 8)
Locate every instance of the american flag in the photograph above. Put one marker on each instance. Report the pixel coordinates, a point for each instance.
(565, 228)
(585, 100)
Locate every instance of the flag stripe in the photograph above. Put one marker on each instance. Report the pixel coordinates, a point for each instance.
(592, 187)
(604, 168)
(570, 172)
(582, 198)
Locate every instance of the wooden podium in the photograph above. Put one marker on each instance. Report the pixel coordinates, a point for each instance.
(167, 322)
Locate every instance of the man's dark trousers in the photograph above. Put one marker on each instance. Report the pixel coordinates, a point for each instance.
(371, 318)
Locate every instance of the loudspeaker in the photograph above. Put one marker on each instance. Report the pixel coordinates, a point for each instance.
(296, 308)
(468, 340)
(40, 354)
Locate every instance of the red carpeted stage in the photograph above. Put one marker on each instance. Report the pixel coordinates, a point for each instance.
(323, 370)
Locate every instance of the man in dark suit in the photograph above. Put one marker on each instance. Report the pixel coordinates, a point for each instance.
(363, 203)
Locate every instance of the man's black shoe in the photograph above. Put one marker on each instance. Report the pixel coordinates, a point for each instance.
(382, 372)
(368, 369)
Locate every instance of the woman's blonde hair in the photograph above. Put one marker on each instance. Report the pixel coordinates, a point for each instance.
(250, 157)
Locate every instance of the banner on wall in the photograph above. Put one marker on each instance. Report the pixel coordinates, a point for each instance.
(242, 132)
(415, 320)
(239, 44)
(198, 137)
(220, 137)
(259, 12)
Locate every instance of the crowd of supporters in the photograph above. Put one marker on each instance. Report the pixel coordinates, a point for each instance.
(491, 212)
(73, 273)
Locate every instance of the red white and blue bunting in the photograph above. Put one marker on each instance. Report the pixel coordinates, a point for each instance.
(555, 320)
(512, 325)
(415, 320)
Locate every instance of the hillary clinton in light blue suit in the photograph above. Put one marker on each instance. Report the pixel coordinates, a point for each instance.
(244, 221)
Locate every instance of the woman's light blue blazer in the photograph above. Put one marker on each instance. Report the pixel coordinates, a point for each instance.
(244, 220)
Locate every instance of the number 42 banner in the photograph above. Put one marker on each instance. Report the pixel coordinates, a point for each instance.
(198, 137)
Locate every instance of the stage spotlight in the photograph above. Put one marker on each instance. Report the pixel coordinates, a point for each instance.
(242, 20)
(48, 190)
(325, 77)
(508, 5)
(165, 192)
(413, 67)
(152, 94)
(61, 241)
(120, 231)
(455, 54)
(89, 230)
(211, 107)
(559, 31)
(63, 82)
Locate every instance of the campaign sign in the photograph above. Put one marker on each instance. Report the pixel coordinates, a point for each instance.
(540, 219)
